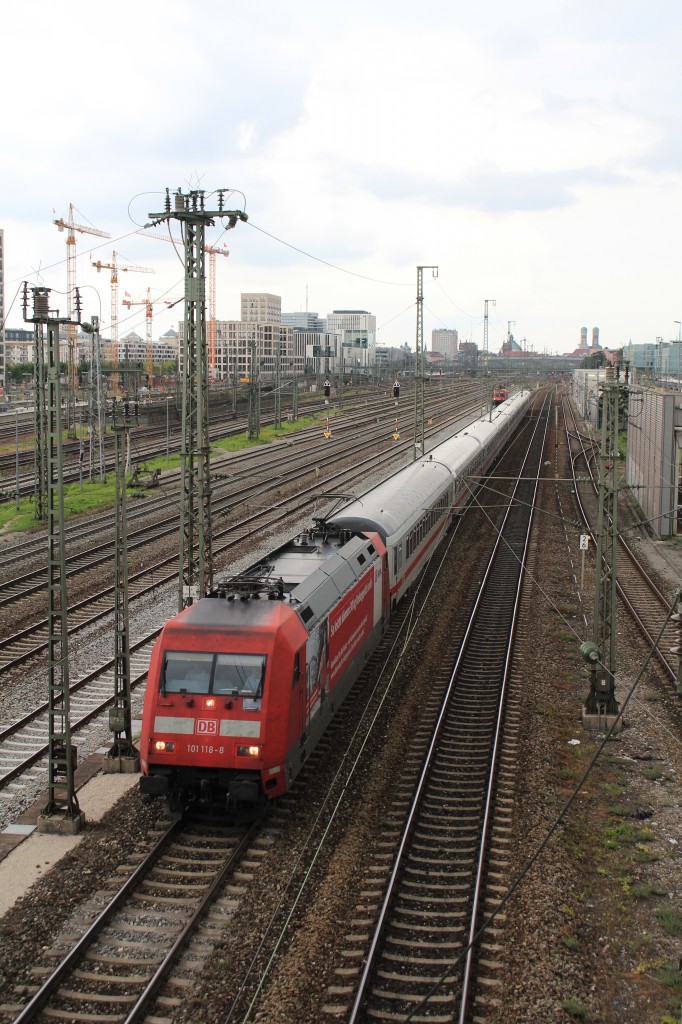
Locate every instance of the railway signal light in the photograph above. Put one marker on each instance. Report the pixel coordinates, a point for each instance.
(396, 389)
(327, 389)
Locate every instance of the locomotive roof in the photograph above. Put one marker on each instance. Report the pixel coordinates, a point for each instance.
(309, 574)
(218, 613)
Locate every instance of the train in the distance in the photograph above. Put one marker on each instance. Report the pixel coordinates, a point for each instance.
(243, 683)
(500, 394)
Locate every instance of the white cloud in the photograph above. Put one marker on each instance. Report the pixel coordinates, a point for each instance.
(531, 150)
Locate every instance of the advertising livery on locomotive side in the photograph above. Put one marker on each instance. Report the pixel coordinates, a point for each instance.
(243, 683)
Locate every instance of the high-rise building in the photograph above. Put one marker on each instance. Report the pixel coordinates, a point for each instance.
(303, 321)
(234, 339)
(262, 308)
(445, 341)
(583, 337)
(2, 309)
(351, 319)
(359, 331)
(319, 350)
(595, 337)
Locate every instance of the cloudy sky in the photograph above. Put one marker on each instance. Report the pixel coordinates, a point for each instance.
(532, 151)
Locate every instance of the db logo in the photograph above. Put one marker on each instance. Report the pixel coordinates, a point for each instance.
(207, 726)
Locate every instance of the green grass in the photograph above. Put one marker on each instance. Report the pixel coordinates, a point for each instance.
(670, 920)
(96, 497)
(174, 462)
(617, 835)
(93, 498)
(619, 810)
(671, 977)
(268, 434)
(12, 521)
(575, 1008)
(645, 891)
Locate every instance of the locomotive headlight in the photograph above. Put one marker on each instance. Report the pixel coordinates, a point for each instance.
(161, 745)
(248, 751)
(209, 702)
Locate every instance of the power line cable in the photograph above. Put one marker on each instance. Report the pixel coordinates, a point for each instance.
(450, 299)
(326, 263)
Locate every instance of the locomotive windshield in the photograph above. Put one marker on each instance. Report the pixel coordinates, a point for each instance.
(235, 675)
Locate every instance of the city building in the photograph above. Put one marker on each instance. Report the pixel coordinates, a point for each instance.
(304, 321)
(586, 394)
(261, 325)
(261, 307)
(234, 341)
(133, 349)
(468, 356)
(348, 341)
(595, 337)
(170, 341)
(657, 359)
(445, 341)
(583, 337)
(320, 351)
(18, 345)
(359, 331)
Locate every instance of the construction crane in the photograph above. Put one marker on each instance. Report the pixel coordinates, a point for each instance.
(71, 229)
(115, 267)
(213, 251)
(149, 304)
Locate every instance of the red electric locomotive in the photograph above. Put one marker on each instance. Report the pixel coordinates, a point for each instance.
(499, 394)
(243, 683)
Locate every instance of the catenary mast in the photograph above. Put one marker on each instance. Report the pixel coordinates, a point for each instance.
(196, 560)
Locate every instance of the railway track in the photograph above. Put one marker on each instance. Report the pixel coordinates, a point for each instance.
(150, 442)
(424, 935)
(124, 962)
(423, 958)
(245, 467)
(82, 1004)
(24, 743)
(243, 483)
(153, 441)
(24, 644)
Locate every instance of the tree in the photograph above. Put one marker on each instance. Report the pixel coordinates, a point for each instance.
(594, 361)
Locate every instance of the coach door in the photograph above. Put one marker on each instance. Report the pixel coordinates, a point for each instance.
(397, 570)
